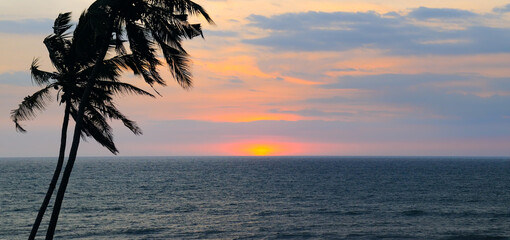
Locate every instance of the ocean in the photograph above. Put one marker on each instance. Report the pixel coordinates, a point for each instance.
(264, 198)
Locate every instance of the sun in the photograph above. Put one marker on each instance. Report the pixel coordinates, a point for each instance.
(261, 149)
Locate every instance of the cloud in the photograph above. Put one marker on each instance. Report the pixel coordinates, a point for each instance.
(27, 26)
(388, 81)
(394, 33)
(312, 113)
(343, 70)
(500, 84)
(220, 33)
(503, 9)
(424, 13)
(466, 108)
(456, 97)
(235, 80)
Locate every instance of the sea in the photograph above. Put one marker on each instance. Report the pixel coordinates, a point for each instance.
(451, 198)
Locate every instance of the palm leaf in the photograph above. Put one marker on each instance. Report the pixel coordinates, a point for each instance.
(38, 76)
(179, 65)
(29, 106)
(121, 88)
(89, 35)
(145, 62)
(95, 126)
(62, 24)
(119, 40)
(184, 7)
(112, 112)
(58, 48)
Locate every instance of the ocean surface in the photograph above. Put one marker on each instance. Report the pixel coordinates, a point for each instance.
(264, 198)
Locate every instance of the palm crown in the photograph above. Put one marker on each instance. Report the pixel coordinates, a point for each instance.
(146, 25)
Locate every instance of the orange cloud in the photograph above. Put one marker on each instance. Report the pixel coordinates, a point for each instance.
(300, 81)
(239, 65)
(247, 117)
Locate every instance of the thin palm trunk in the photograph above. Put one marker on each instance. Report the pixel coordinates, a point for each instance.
(75, 144)
(56, 173)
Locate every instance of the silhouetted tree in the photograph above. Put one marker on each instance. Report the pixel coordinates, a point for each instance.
(68, 81)
(147, 25)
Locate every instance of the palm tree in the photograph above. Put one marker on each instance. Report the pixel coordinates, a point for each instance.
(68, 81)
(148, 25)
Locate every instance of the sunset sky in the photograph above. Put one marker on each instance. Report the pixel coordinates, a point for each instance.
(295, 77)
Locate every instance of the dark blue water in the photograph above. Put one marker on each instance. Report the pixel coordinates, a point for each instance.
(264, 198)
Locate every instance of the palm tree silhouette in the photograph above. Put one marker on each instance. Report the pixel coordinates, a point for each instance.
(148, 25)
(68, 81)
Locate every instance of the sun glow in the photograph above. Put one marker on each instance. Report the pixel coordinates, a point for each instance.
(261, 150)
(263, 147)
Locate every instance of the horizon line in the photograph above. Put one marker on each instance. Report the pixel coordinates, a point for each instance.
(272, 156)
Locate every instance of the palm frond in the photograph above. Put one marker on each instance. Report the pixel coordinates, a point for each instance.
(108, 71)
(90, 34)
(30, 105)
(185, 7)
(62, 24)
(121, 61)
(171, 27)
(38, 76)
(144, 62)
(58, 43)
(179, 65)
(58, 48)
(112, 112)
(139, 40)
(119, 40)
(142, 67)
(175, 24)
(95, 126)
(198, 10)
(121, 88)
(99, 97)
(193, 30)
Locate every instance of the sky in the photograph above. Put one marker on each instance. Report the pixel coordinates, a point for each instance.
(295, 77)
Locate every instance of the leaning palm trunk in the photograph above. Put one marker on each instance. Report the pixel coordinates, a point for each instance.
(76, 142)
(56, 174)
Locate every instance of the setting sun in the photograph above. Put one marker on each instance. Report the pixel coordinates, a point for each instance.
(261, 150)
(262, 147)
